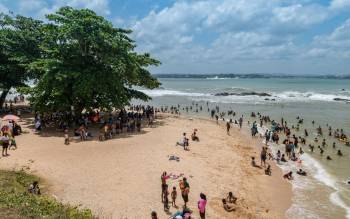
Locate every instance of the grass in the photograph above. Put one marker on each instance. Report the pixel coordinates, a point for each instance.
(16, 202)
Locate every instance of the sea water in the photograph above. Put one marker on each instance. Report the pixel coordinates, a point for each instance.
(324, 192)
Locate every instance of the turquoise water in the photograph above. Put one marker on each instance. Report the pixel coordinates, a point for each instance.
(324, 193)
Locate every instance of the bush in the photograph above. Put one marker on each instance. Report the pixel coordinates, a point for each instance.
(16, 202)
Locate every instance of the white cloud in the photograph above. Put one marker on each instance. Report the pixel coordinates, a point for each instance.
(335, 44)
(300, 15)
(340, 4)
(100, 6)
(3, 9)
(39, 8)
(241, 30)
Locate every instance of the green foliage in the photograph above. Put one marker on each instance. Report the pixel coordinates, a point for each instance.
(16, 202)
(19, 46)
(87, 63)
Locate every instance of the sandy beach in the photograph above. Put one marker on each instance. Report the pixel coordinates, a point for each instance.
(120, 178)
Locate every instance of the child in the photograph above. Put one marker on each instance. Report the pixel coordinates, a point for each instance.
(13, 142)
(253, 162)
(231, 198)
(66, 137)
(173, 197)
(268, 170)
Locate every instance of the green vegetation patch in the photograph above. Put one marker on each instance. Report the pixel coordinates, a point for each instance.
(17, 202)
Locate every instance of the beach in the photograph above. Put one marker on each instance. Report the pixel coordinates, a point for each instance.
(120, 178)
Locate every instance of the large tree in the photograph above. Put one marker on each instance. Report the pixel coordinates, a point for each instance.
(19, 46)
(88, 63)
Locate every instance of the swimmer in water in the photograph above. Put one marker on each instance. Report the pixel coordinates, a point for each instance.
(288, 175)
(301, 172)
(339, 153)
(311, 147)
(321, 150)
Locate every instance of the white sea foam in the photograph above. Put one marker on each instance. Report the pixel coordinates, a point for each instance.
(335, 199)
(286, 96)
(165, 92)
(218, 78)
(318, 172)
(307, 96)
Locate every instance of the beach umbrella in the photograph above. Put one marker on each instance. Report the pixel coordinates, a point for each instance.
(10, 117)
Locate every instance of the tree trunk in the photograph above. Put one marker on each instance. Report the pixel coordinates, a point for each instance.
(3, 97)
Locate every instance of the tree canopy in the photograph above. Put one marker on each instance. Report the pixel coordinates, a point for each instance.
(19, 46)
(77, 60)
(87, 64)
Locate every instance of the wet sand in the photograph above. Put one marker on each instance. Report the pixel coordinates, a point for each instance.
(120, 178)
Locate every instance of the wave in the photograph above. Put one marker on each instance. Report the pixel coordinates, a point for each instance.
(220, 78)
(315, 170)
(251, 76)
(165, 92)
(307, 96)
(242, 95)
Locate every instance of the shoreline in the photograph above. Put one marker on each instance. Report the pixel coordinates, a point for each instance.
(107, 177)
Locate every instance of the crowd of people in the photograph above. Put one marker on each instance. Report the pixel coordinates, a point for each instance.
(109, 123)
(294, 141)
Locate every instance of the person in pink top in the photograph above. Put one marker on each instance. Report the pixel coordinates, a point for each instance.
(201, 205)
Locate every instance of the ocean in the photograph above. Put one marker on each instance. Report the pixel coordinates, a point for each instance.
(324, 192)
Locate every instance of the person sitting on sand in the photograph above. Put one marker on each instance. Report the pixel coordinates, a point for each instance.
(253, 162)
(34, 188)
(288, 175)
(294, 157)
(339, 153)
(231, 198)
(283, 159)
(194, 136)
(301, 172)
(329, 158)
(184, 141)
(227, 207)
(154, 215)
(268, 170)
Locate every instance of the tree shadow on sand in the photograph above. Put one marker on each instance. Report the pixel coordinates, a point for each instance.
(27, 122)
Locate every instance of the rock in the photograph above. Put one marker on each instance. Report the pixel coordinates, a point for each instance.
(253, 93)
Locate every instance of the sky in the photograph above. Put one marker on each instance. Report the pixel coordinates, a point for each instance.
(301, 37)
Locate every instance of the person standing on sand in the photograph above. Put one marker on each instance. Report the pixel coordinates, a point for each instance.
(201, 205)
(228, 127)
(66, 137)
(163, 179)
(5, 144)
(240, 122)
(173, 197)
(185, 189)
(263, 156)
